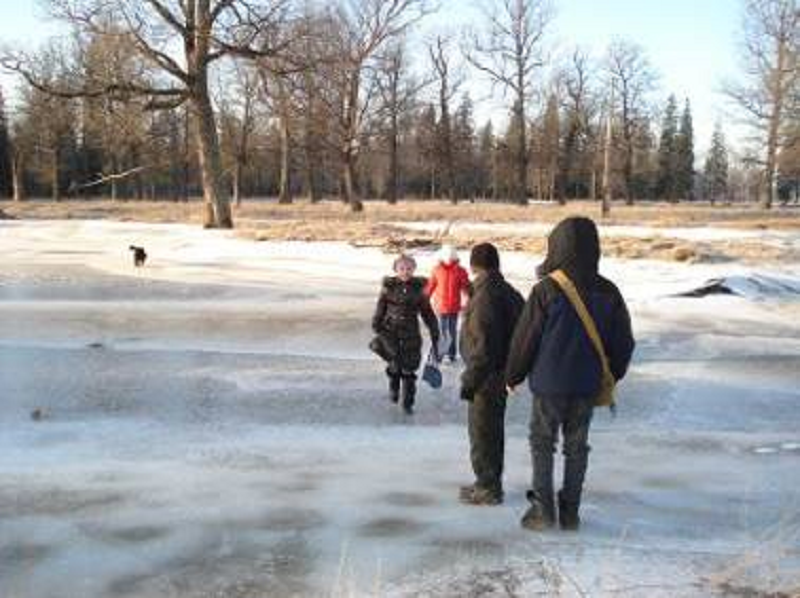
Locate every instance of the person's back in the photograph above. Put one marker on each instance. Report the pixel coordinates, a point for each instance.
(566, 362)
(495, 301)
(485, 338)
(552, 348)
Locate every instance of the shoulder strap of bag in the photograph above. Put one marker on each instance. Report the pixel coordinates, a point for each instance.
(588, 322)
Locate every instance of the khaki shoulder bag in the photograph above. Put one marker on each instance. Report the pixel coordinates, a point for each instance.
(605, 398)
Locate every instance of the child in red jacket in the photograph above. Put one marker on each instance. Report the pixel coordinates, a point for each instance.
(446, 285)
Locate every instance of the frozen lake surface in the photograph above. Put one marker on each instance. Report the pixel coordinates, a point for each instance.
(213, 426)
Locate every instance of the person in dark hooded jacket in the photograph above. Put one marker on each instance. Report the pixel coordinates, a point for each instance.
(551, 347)
(401, 303)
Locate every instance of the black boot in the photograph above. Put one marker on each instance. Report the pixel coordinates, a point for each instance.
(394, 388)
(540, 515)
(409, 392)
(568, 517)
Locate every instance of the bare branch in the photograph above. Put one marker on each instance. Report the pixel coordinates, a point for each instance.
(110, 177)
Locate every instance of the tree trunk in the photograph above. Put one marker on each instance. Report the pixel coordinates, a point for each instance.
(311, 145)
(236, 183)
(628, 172)
(18, 177)
(393, 161)
(350, 149)
(311, 174)
(432, 181)
(777, 96)
(54, 174)
(113, 180)
(285, 190)
(348, 180)
(215, 194)
(447, 149)
(606, 191)
(186, 171)
(521, 191)
(768, 196)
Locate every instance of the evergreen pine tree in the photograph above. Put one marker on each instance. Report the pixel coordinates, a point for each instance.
(464, 149)
(684, 146)
(716, 167)
(425, 138)
(667, 152)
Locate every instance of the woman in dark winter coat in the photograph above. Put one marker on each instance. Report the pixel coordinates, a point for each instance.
(396, 322)
(552, 348)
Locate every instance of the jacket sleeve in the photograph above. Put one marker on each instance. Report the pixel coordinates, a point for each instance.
(426, 311)
(464, 287)
(517, 304)
(622, 344)
(433, 281)
(380, 312)
(526, 339)
(478, 361)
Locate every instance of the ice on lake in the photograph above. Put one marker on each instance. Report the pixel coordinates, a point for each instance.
(213, 425)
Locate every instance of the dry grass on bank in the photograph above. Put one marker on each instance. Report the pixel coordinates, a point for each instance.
(656, 214)
(380, 224)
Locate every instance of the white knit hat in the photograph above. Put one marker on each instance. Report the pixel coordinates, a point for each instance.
(448, 253)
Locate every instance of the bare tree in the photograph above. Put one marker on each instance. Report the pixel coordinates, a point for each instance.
(607, 139)
(398, 93)
(768, 95)
(360, 29)
(282, 87)
(548, 149)
(179, 41)
(448, 88)
(47, 121)
(579, 107)
(389, 85)
(21, 147)
(311, 100)
(236, 101)
(630, 79)
(116, 128)
(510, 52)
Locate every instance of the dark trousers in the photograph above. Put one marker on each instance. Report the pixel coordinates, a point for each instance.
(448, 324)
(486, 419)
(408, 390)
(571, 416)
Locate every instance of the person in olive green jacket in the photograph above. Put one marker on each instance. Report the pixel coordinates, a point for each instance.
(486, 333)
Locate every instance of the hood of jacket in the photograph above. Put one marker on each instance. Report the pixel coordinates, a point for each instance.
(573, 246)
(487, 277)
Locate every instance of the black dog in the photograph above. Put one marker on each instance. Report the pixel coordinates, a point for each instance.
(139, 255)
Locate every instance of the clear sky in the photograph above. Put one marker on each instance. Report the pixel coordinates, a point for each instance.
(691, 43)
